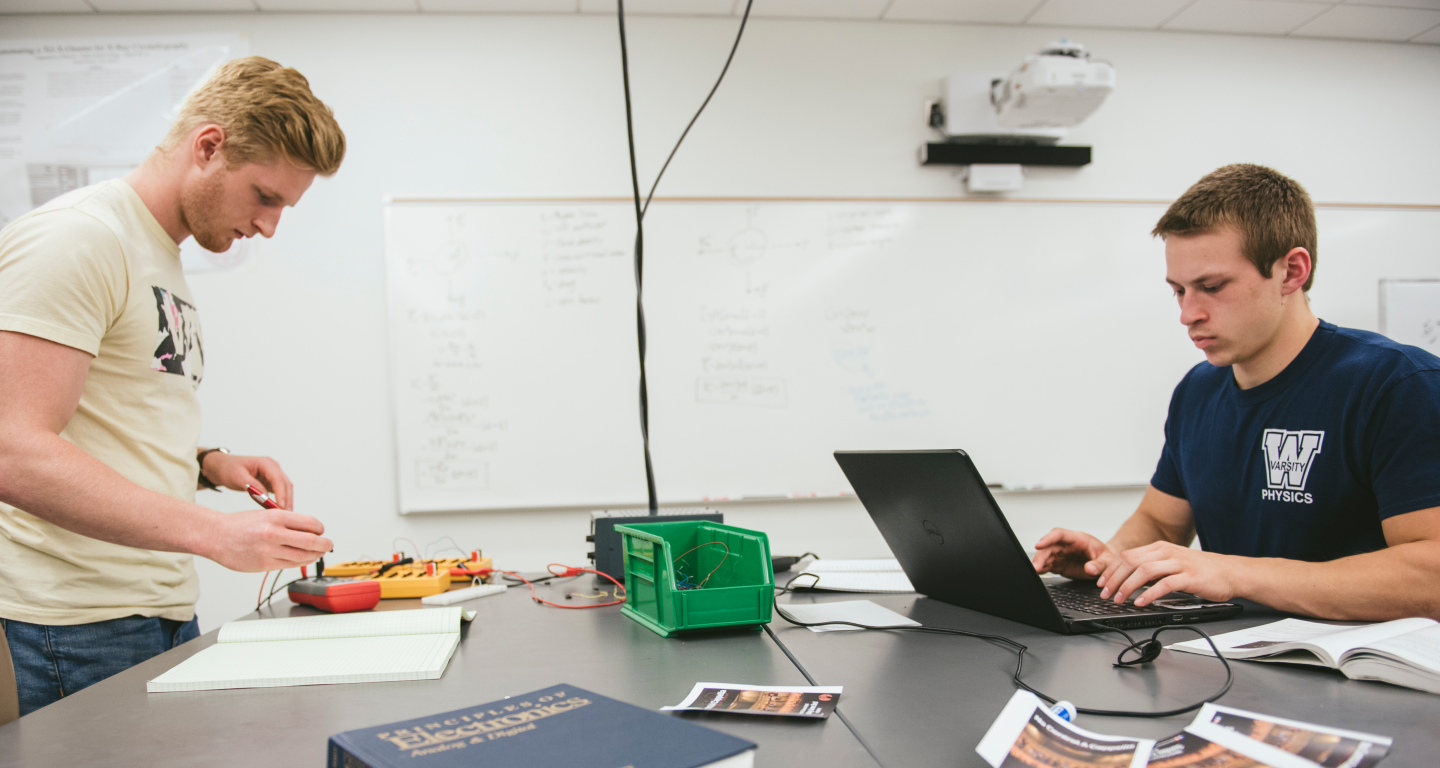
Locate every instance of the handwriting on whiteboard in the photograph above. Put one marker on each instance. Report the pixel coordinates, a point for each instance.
(741, 390)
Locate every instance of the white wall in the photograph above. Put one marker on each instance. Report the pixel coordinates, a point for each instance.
(514, 106)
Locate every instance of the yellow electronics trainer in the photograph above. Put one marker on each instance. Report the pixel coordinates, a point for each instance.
(458, 569)
(409, 581)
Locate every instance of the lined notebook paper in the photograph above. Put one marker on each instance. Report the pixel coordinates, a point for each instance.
(881, 575)
(322, 650)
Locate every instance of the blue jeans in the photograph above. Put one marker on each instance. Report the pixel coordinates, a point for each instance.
(55, 661)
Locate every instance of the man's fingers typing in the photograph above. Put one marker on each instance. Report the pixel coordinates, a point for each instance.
(1161, 588)
(1115, 574)
(1051, 538)
(1144, 574)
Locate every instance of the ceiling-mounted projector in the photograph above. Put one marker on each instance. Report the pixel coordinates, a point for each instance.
(1056, 88)
(1049, 92)
(996, 124)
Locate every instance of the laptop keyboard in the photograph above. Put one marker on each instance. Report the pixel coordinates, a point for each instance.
(1090, 602)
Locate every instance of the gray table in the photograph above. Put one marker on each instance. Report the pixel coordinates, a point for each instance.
(512, 647)
(917, 699)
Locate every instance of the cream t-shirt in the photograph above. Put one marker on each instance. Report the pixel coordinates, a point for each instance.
(94, 270)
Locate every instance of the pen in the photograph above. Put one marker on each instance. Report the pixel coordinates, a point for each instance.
(261, 498)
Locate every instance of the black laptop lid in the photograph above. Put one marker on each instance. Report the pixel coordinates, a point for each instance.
(946, 530)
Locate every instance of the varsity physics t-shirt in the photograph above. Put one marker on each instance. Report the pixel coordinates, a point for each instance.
(1308, 464)
(94, 270)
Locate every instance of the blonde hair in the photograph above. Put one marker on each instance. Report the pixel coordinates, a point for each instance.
(1272, 212)
(266, 110)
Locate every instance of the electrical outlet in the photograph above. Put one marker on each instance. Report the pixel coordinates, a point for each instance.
(935, 114)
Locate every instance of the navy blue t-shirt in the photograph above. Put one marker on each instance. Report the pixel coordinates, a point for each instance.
(1306, 465)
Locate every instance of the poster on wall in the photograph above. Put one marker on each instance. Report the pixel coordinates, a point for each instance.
(1410, 312)
(78, 111)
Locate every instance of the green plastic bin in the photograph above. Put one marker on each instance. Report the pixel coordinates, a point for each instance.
(739, 585)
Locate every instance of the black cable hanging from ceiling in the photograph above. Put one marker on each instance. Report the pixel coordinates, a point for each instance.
(640, 209)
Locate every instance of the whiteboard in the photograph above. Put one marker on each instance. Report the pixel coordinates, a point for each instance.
(1038, 336)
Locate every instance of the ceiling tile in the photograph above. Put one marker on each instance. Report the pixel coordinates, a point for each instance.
(1433, 5)
(45, 6)
(340, 6)
(500, 6)
(815, 9)
(1252, 17)
(1123, 14)
(172, 6)
(980, 11)
(665, 7)
(1433, 36)
(1355, 22)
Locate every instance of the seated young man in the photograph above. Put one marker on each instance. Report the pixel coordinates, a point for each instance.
(1306, 456)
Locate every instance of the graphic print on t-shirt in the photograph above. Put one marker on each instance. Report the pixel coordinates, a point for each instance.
(1289, 456)
(178, 349)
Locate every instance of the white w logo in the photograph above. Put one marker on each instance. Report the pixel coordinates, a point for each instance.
(1288, 456)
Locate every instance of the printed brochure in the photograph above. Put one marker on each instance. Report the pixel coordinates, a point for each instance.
(1028, 735)
(742, 699)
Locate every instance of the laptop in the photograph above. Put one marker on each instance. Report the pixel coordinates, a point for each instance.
(955, 545)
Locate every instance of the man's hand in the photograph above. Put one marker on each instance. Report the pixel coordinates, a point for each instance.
(266, 540)
(236, 472)
(1073, 554)
(1172, 568)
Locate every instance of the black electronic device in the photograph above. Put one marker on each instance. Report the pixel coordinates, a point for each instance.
(783, 563)
(607, 556)
(954, 544)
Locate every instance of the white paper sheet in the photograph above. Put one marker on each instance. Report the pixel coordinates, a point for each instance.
(857, 611)
(850, 566)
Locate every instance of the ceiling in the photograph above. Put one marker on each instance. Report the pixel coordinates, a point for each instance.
(1413, 21)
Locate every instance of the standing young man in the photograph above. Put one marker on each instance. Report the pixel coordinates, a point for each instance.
(100, 356)
(1306, 456)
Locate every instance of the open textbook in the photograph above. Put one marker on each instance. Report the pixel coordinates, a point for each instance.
(320, 650)
(1028, 735)
(1402, 652)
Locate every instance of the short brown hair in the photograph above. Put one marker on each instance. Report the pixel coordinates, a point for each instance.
(1272, 212)
(266, 111)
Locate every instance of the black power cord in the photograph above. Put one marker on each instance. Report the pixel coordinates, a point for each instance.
(640, 209)
(1145, 651)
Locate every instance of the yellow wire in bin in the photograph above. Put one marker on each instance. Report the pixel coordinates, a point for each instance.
(739, 590)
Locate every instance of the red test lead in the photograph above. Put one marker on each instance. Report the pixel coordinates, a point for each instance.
(260, 498)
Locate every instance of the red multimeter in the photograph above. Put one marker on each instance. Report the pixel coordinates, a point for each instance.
(334, 595)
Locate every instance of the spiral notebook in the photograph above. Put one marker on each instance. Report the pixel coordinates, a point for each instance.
(322, 650)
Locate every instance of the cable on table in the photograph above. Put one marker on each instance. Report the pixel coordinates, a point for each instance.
(569, 571)
(1146, 651)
